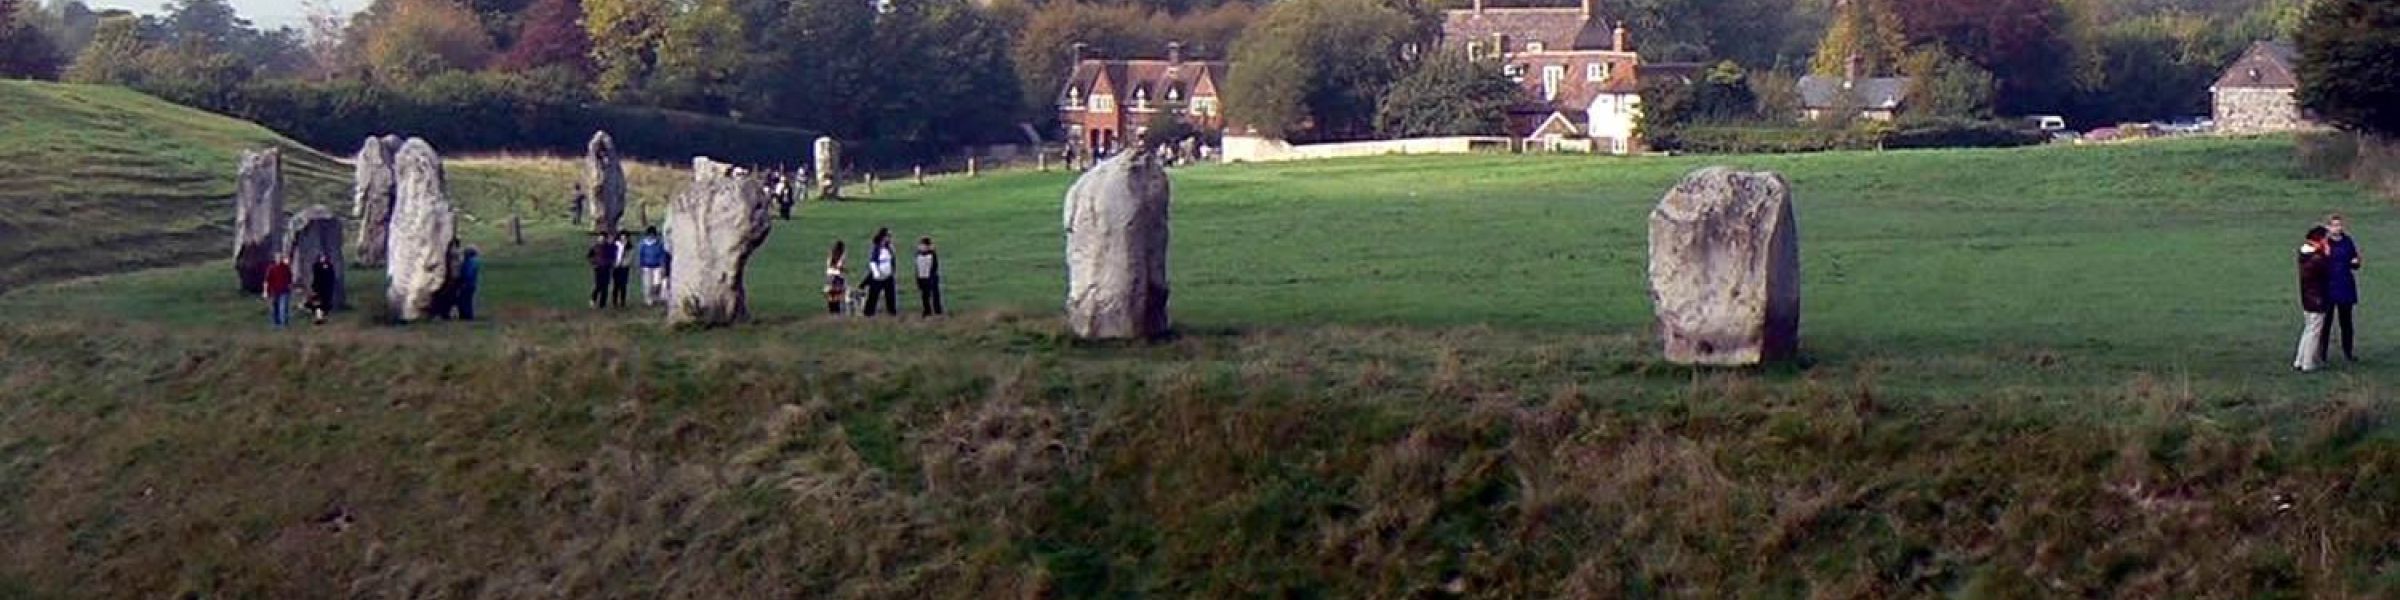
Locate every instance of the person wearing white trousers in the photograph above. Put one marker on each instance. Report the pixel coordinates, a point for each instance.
(2315, 261)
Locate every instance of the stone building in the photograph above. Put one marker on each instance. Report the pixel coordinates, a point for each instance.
(2259, 93)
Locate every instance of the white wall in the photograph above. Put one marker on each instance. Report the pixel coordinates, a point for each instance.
(1612, 117)
(1256, 149)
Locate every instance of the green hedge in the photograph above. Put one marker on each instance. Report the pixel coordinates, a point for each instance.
(1867, 135)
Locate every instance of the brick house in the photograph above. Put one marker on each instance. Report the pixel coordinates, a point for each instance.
(2259, 93)
(1579, 78)
(1108, 104)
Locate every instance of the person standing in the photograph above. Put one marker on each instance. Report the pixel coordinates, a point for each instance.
(278, 291)
(2314, 264)
(2341, 287)
(445, 298)
(470, 276)
(881, 286)
(837, 285)
(623, 275)
(653, 254)
(322, 283)
(603, 257)
(929, 278)
(575, 206)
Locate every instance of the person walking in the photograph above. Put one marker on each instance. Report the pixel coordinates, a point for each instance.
(470, 276)
(445, 298)
(837, 285)
(278, 291)
(881, 287)
(2314, 264)
(653, 254)
(623, 275)
(2341, 287)
(603, 257)
(929, 278)
(322, 283)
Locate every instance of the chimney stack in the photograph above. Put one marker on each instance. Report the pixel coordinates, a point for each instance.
(1079, 49)
(1174, 52)
(1479, 7)
(1623, 37)
(1587, 10)
(1853, 70)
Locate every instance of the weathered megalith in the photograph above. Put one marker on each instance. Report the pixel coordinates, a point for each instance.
(829, 168)
(1116, 220)
(604, 178)
(371, 192)
(421, 232)
(1725, 269)
(257, 217)
(317, 232)
(712, 228)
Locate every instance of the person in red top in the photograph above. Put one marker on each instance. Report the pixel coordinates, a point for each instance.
(279, 291)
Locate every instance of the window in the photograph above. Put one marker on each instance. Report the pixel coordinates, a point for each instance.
(1074, 97)
(1141, 98)
(1599, 71)
(1104, 103)
(1533, 46)
(1514, 72)
(1474, 50)
(1205, 106)
(1552, 75)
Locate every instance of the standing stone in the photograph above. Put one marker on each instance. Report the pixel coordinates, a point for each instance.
(829, 168)
(317, 232)
(1116, 220)
(371, 198)
(1725, 269)
(605, 179)
(421, 232)
(257, 217)
(712, 228)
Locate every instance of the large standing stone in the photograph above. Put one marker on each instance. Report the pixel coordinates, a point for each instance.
(829, 168)
(421, 232)
(1725, 269)
(604, 177)
(712, 229)
(371, 198)
(257, 217)
(317, 232)
(1116, 219)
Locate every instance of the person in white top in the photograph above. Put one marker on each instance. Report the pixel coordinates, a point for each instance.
(929, 278)
(880, 285)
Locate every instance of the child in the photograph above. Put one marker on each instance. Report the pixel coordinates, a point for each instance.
(929, 277)
(837, 287)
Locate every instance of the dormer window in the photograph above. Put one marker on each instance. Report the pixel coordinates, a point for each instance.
(1599, 71)
(1074, 97)
(1174, 94)
(1141, 98)
(1533, 46)
(2254, 76)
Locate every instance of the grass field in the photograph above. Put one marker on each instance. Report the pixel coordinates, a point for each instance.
(2048, 372)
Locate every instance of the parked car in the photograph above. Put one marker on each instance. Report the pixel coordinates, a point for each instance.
(2048, 123)
(2104, 134)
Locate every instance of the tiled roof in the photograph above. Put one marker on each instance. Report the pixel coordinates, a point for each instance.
(1874, 93)
(1576, 90)
(1555, 28)
(1154, 76)
(2265, 65)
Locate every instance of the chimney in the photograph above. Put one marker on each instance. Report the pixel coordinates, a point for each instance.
(1174, 52)
(1852, 70)
(1479, 8)
(1587, 10)
(1500, 45)
(1622, 36)
(1078, 56)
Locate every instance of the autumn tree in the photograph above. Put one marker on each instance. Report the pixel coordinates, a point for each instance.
(2022, 43)
(1866, 29)
(114, 55)
(414, 39)
(550, 34)
(625, 35)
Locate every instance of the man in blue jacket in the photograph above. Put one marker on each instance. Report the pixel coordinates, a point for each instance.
(2341, 286)
(654, 267)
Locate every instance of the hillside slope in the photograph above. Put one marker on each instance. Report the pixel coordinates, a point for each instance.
(100, 179)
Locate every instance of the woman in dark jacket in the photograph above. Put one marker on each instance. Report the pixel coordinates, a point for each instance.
(2315, 263)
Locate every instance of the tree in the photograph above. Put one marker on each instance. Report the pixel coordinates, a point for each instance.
(1044, 49)
(1446, 94)
(208, 24)
(26, 50)
(2347, 75)
(1943, 85)
(1316, 69)
(114, 54)
(1868, 30)
(625, 35)
(420, 38)
(2022, 42)
(550, 34)
(1723, 95)
(699, 59)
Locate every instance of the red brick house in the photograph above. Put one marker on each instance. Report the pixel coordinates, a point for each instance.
(1108, 104)
(1580, 78)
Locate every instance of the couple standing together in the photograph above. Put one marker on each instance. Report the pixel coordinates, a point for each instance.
(2329, 262)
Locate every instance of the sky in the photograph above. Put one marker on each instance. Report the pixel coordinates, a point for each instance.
(266, 14)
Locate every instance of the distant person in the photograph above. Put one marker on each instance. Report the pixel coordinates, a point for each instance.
(2315, 263)
(881, 288)
(623, 275)
(929, 277)
(445, 298)
(470, 276)
(653, 254)
(603, 257)
(837, 284)
(278, 291)
(322, 283)
(575, 206)
(2341, 286)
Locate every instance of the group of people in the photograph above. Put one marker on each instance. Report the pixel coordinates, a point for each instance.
(882, 277)
(2329, 264)
(278, 289)
(613, 256)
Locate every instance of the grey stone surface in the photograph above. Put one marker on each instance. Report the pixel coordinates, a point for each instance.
(371, 192)
(316, 232)
(1116, 226)
(257, 217)
(1725, 269)
(422, 227)
(712, 229)
(604, 180)
(828, 155)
